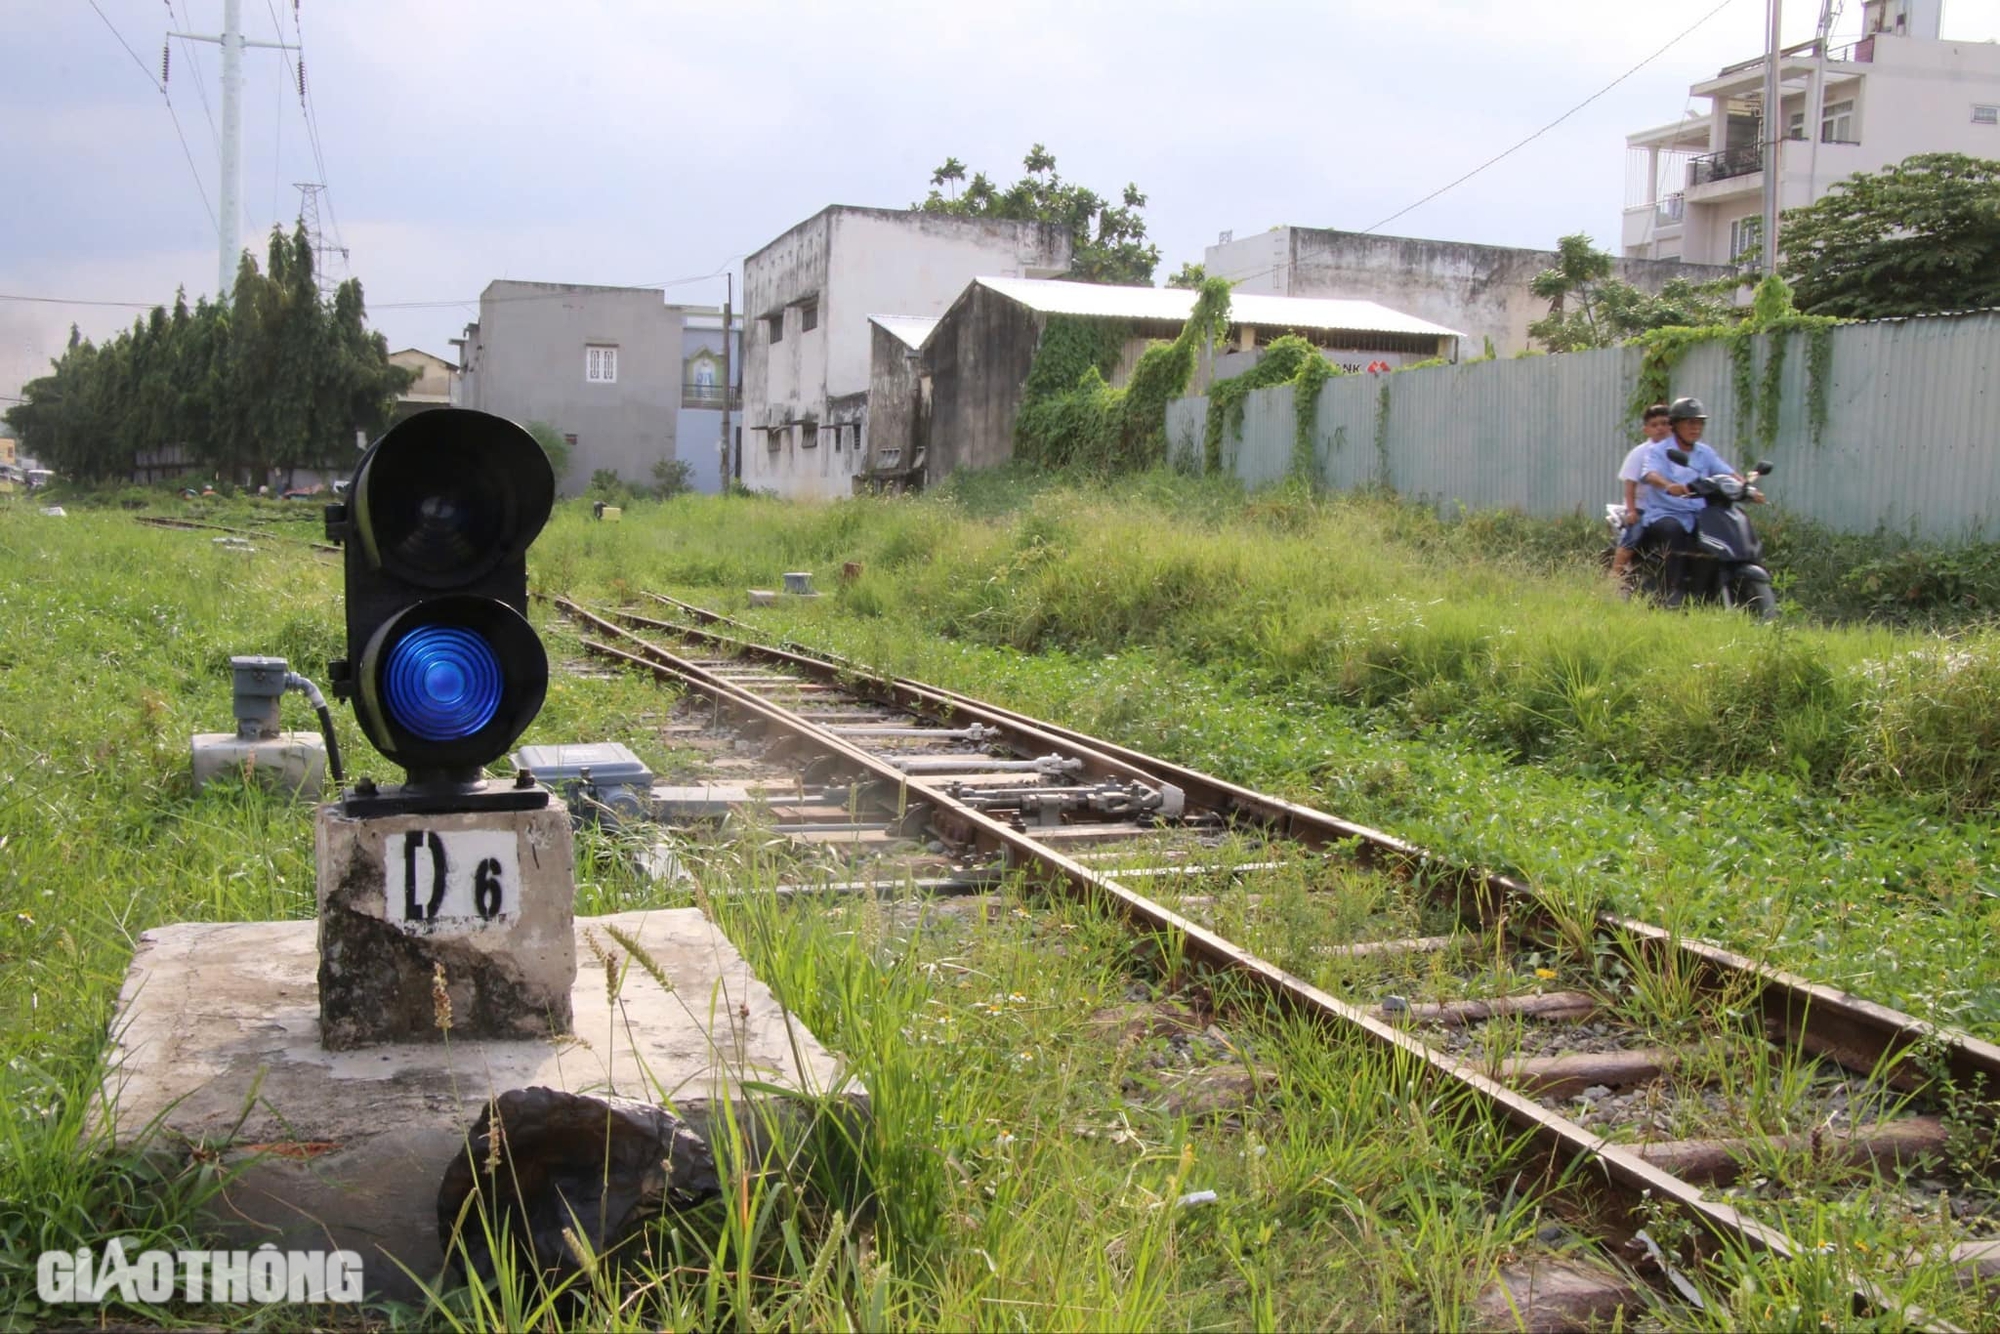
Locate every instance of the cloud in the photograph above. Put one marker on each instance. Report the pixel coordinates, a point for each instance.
(634, 141)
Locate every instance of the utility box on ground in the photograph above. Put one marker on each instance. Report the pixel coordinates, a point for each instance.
(603, 781)
(257, 750)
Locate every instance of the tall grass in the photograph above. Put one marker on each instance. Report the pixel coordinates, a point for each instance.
(1489, 628)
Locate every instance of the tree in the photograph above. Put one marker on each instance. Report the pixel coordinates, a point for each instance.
(1108, 241)
(1919, 237)
(554, 445)
(1589, 308)
(279, 376)
(1191, 275)
(672, 477)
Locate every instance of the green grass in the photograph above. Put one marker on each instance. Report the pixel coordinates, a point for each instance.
(1818, 797)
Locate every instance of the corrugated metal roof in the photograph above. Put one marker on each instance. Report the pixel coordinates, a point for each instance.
(1054, 297)
(912, 329)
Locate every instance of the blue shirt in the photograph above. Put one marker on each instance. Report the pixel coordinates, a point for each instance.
(1702, 462)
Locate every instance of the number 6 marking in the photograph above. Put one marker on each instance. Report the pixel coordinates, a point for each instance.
(486, 896)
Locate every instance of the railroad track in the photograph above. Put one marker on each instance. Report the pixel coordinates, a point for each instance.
(198, 525)
(963, 792)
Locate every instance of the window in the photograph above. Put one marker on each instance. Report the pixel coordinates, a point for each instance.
(774, 437)
(809, 316)
(704, 374)
(808, 436)
(1986, 115)
(600, 364)
(1836, 123)
(774, 327)
(1745, 235)
(1795, 125)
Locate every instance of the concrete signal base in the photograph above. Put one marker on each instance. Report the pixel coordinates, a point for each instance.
(423, 913)
(217, 1046)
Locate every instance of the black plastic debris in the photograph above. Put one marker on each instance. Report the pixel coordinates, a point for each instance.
(598, 1167)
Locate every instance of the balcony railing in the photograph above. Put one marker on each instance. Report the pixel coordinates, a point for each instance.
(1739, 161)
(709, 396)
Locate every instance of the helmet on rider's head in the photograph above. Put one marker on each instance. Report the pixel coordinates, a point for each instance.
(1687, 409)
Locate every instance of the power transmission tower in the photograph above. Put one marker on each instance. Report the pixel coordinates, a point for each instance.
(230, 213)
(323, 249)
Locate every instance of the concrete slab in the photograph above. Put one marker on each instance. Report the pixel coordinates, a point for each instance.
(217, 1040)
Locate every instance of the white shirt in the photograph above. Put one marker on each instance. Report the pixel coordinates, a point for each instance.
(1635, 463)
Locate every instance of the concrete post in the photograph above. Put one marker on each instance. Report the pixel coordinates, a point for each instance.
(436, 925)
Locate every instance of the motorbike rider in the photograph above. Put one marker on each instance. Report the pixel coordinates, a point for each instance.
(1657, 429)
(1668, 505)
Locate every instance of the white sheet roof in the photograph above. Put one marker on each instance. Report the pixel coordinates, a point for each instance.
(912, 329)
(1054, 297)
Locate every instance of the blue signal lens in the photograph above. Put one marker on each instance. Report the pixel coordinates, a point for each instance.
(442, 683)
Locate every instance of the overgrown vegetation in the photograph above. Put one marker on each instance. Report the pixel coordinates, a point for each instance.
(1070, 418)
(1035, 1121)
(1588, 308)
(1290, 360)
(1917, 238)
(279, 378)
(1772, 319)
(1107, 240)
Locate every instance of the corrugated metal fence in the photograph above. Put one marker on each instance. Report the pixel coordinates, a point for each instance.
(1913, 407)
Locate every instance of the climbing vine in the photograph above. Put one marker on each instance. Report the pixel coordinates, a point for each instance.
(1772, 316)
(1070, 346)
(1382, 431)
(1070, 417)
(1288, 360)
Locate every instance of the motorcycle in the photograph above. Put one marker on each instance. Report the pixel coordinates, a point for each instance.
(1726, 563)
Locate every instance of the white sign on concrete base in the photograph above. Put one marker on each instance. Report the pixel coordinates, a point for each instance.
(449, 882)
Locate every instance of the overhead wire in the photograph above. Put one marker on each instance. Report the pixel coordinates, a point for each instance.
(186, 152)
(309, 114)
(562, 290)
(200, 80)
(1515, 148)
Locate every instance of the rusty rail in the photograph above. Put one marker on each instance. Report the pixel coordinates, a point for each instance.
(1794, 1009)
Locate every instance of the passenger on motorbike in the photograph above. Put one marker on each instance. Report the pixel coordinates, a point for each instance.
(1634, 467)
(1665, 500)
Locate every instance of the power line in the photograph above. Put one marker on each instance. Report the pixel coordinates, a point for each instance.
(394, 305)
(1557, 121)
(310, 116)
(143, 69)
(76, 301)
(200, 80)
(186, 152)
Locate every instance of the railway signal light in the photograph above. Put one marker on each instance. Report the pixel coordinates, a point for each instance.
(443, 669)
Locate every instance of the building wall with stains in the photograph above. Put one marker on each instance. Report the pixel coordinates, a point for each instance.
(1483, 291)
(807, 298)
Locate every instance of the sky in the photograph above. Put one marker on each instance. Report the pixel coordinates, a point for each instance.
(650, 142)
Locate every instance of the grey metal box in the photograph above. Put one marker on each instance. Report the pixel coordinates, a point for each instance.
(619, 787)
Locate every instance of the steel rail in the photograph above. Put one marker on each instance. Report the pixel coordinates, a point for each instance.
(193, 525)
(1867, 1038)
(1569, 1145)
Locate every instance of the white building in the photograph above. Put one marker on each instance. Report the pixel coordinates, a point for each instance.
(1484, 291)
(1694, 189)
(808, 297)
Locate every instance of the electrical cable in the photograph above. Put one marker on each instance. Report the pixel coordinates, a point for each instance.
(304, 685)
(398, 305)
(1557, 121)
(186, 152)
(200, 79)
